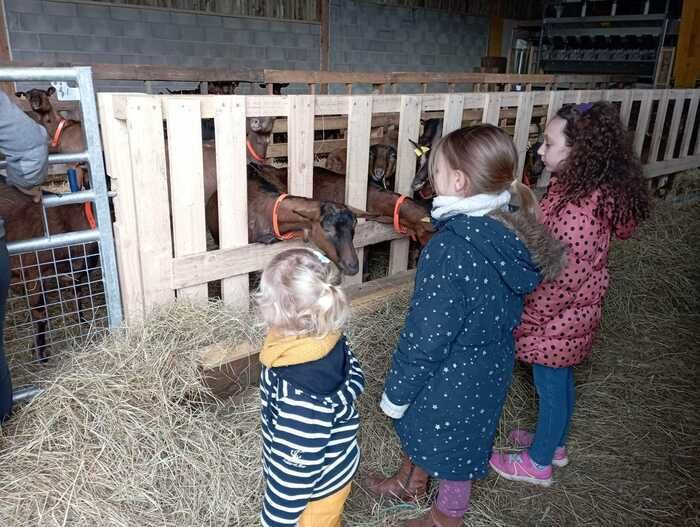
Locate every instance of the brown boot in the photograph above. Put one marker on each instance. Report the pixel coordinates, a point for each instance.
(434, 518)
(409, 483)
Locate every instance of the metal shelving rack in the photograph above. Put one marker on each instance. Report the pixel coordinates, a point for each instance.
(592, 36)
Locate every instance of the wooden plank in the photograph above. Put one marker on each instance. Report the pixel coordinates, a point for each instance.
(301, 145)
(147, 152)
(409, 126)
(658, 127)
(670, 166)
(492, 109)
(325, 38)
(224, 263)
(454, 108)
(319, 147)
(522, 129)
(186, 167)
(675, 124)
(690, 122)
(359, 128)
(368, 295)
(115, 141)
(643, 121)
(232, 185)
(626, 108)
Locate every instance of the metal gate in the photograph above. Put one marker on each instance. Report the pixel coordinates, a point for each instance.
(57, 258)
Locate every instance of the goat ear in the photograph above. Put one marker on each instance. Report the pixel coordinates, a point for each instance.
(20, 94)
(50, 91)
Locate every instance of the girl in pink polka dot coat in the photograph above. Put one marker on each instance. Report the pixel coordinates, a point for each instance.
(596, 192)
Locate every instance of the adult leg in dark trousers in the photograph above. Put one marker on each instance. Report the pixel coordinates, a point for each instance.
(5, 381)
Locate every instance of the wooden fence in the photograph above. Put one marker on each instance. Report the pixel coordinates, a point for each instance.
(158, 262)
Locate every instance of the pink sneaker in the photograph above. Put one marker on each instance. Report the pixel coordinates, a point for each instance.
(519, 467)
(523, 439)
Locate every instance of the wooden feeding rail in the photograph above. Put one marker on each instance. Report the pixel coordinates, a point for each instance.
(390, 82)
(156, 264)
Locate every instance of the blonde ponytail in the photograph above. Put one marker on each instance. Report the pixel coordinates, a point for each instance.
(525, 198)
(300, 295)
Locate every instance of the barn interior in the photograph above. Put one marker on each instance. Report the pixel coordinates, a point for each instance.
(131, 329)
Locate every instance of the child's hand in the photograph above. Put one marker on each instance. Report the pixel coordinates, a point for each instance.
(392, 410)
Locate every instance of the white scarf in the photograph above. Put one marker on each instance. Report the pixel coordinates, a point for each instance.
(445, 207)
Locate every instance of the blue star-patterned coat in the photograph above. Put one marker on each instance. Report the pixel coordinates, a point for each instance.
(454, 360)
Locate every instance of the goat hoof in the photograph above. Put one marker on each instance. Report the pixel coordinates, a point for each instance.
(42, 355)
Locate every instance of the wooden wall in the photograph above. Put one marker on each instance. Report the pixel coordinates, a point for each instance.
(308, 10)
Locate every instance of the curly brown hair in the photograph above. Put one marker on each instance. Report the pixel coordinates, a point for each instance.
(602, 158)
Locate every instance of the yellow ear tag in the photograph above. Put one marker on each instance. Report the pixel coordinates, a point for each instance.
(420, 151)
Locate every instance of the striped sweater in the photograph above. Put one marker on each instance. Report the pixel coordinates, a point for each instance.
(310, 448)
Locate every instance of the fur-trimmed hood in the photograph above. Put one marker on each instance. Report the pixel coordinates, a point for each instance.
(548, 254)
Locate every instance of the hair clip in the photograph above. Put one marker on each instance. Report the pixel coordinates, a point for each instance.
(322, 257)
(584, 107)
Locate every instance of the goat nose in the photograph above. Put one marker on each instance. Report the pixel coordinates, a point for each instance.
(379, 172)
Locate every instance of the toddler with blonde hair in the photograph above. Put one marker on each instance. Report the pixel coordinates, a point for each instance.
(308, 387)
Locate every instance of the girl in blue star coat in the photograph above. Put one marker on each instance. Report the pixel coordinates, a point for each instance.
(452, 367)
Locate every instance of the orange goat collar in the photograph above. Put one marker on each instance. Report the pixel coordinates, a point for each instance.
(89, 216)
(56, 140)
(397, 223)
(252, 151)
(275, 225)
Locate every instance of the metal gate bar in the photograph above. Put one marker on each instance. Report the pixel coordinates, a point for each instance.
(98, 193)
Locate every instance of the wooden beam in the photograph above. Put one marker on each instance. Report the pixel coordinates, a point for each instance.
(409, 127)
(150, 184)
(325, 39)
(359, 128)
(232, 191)
(495, 36)
(301, 145)
(187, 184)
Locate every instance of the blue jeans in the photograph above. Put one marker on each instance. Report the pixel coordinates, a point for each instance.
(557, 396)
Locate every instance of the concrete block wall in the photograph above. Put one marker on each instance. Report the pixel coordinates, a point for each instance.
(364, 37)
(52, 31)
(371, 37)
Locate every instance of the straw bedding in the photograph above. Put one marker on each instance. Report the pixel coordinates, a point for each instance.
(125, 435)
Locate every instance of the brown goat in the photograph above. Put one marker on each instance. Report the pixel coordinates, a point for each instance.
(65, 135)
(23, 220)
(382, 164)
(381, 203)
(329, 226)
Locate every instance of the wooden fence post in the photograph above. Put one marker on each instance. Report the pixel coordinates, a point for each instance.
(359, 128)
(454, 109)
(186, 167)
(689, 123)
(675, 123)
(658, 126)
(300, 125)
(409, 126)
(643, 121)
(232, 190)
(523, 117)
(147, 151)
(115, 138)
(492, 108)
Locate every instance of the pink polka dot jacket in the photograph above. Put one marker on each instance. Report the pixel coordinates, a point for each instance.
(560, 318)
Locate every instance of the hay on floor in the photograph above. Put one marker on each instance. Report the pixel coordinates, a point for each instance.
(126, 435)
